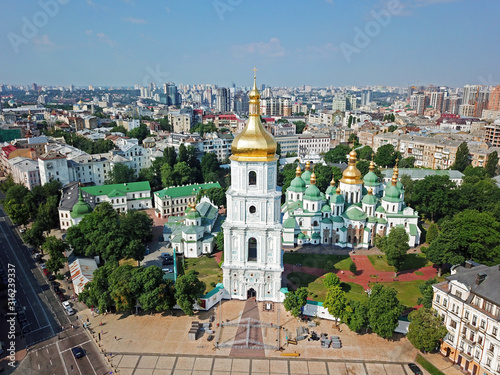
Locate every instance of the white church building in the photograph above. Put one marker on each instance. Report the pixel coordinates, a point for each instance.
(253, 257)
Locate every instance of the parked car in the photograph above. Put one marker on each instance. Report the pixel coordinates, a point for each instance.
(51, 277)
(22, 230)
(415, 369)
(68, 308)
(167, 262)
(46, 272)
(62, 297)
(77, 352)
(168, 270)
(166, 255)
(42, 266)
(54, 283)
(57, 290)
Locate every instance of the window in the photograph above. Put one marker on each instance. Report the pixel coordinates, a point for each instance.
(445, 302)
(466, 315)
(252, 250)
(492, 348)
(252, 209)
(480, 340)
(483, 323)
(488, 361)
(474, 320)
(488, 306)
(458, 294)
(438, 298)
(252, 178)
(494, 331)
(453, 324)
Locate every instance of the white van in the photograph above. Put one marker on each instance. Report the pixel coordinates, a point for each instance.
(68, 308)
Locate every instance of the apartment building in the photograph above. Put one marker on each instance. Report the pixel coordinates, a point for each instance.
(219, 144)
(313, 143)
(181, 120)
(174, 201)
(288, 143)
(493, 133)
(469, 303)
(25, 171)
(434, 153)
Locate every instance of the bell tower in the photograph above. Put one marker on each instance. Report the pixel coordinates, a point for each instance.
(253, 257)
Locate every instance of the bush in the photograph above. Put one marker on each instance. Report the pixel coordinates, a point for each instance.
(60, 276)
(213, 284)
(353, 268)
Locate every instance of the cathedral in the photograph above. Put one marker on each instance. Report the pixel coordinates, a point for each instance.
(349, 215)
(253, 255)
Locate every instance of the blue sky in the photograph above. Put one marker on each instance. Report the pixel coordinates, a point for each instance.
(316, 42)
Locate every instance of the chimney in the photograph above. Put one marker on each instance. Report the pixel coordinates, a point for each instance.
(480, 278)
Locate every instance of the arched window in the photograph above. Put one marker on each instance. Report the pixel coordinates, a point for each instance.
(252, 178)
(252, 250)
(315, 224)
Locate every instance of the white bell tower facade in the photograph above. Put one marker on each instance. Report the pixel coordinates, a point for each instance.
(253, 256)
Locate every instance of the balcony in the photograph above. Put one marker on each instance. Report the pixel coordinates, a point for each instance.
(466, 355)
(467, 340)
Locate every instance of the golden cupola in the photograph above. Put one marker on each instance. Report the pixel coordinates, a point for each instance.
(254, 143)
(352, 175)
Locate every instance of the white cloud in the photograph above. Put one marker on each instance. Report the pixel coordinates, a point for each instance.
(273, 48)
(323, 50)
(89, 32)
(43, 40)
(103, 38)
(135, 20)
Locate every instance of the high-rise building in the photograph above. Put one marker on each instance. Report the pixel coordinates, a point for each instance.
(366, 97)
(240, 102)
(436, 101)
(223, 103)
(173, 96)
(419, 102)
(344, 102)
(253, 263)
(494, 101)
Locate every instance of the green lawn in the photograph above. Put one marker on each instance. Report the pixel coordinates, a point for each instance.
(354, 292)
(342, 262)
(412, 262)
(207, 268)
(408, 291)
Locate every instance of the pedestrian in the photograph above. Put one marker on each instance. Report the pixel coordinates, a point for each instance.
(92, 313)
(87, 320)
(115, 338)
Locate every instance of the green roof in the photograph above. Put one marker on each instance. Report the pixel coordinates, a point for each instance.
(176, 239)
(193, 214)
(330, 190)
(214, 291)
(326, 221)
(184, 191)
(413, 230)
(381, 220)
(338, 199)
(117, 190)
(312, 193)
(325, 208)
(301, 235)
(306, 176)
(81, 208)
(337, 219)
(380, 209)
(315, 236)
(289, 223)
(354, 214)
(297, 184)
(370, 179)
(392, 193)
(369, 199)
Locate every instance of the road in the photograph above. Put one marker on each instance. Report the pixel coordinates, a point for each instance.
(51, 335)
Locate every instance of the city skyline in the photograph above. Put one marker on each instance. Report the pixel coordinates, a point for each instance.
(122, 43)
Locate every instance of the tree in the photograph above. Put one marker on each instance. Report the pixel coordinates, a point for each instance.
(392, 128)
(97, 292)
(34, 235)
(140, 133)
(353, 138)
(295, 301)
(337, 155)
(353, 268)
(432, 233)
(365, 153)
(286, 176)
(278, 150)
(150, 290)
(469, 235)
(18, 204)
(323, 176)
(384, 310)
(181, 174)
(434, 197)
(188, 289)
(119, 129)
(462, 158)
(121, 173)
(210, 167)
(183, 154)
(395, 246)
(7, 184)
(363, 166)
(349, 121)
(358, 318)
(386, 156)
(48, 214)
(491, 164)
(331, 280)
(299, 126)
(427, 292)
(216, 195)
(329, 266)
(408, 162)
(170, 156)
(336, 302)
(120, 287)
(56, 249)
(426, 329)
(219, 240)
(408, 185)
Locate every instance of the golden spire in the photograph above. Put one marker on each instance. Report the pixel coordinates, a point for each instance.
(372, 166)
(394, 180)
(396, 169)
(254, 143)
(338, 190)
(308, 165)
(298, 171)
(313, 179)
(192, 205)
(370, 191)
(352, 175)
(332, 182)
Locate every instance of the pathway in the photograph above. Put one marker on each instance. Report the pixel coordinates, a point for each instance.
(244, 333)
(365, 271)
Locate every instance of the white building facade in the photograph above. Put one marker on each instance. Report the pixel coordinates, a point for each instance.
(253, 260)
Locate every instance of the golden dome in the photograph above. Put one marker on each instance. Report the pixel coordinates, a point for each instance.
(332, 182)
(370, 191)
(372, 166)
(254, 143)
(308, 165)
(313, 179)
(338, 190)
(352, 175)
(298, 171)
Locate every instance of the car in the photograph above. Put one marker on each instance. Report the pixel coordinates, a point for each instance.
(57, 290)
(167, 262)
(51, 277)
(46, 272)
(168, 270)
(68, 308)
(42, 266)
(62, 297)
(166, 255)
(22, 230)
(78, 352)
(415, 369)
(54, 283)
